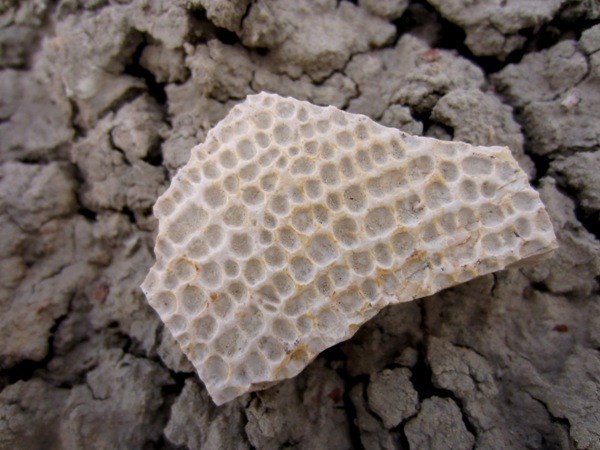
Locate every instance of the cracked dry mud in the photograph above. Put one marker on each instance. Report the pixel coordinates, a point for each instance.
(100, 104)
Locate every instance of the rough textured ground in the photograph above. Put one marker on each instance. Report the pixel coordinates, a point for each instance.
(100, 102)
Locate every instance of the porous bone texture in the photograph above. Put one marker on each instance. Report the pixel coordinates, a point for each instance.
(292, 225)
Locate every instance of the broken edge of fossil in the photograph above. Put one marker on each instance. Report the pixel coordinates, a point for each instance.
(293, 224)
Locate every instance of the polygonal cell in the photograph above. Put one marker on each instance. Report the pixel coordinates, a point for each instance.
(211, 275)
(327, 320)
(489, 189)
(176, 324)
(279, 204)
(322, 250)
(192, 299)
(310, 147)
(340, 276)
(285, 109)
(241, 244)
(345, 231)
(252, 196)
(192, 218)
(430, 233)
(524, 201)
(355, 199)
(298, 304)
(361, 262)
(379, 221)
(329, 174)
(237, 290)
(325, 285)
(197, 353)
(490, 214)
(249, 172)
(449, 171)
(410, 209)
(215, 370)
(231, 184)
(204, 327)
(288, 239)
(229, 343)
(228, 159)
(313, 189)
(420, 167)
(214, 235)
(197, 248)
(210, 170)
(257, 366)
(245, 149)
(268, 182)
(271, 348)
(263, 120)
(265, 238)
(307, 131)
(350, 301)
(215, 196)
(234, 215)
(383, 255)
(321, 215)
(345, 140)
(251, 321)
(221, 304)
(254, 271)
(477, 165)
(302, 166)
(283, 283)
(274, 256)
(164, 207)
(182, 269)
(284, 329)
(437, 195)
(379, 154)
(302, 269)
(267, 158)
(304, 324)
(347, 168)
(164, 302)
(468, 190)
(282, 134)
(403, 244)
(262, 140)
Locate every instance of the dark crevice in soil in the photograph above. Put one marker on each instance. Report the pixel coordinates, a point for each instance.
(588, 219)
(336, 353)
(226, 37)
(155, 156)
(422, 381)
(542, 165)
(447, 35)
(25, 370)
(450, 36)
(349, 408)
(135, 69)
(130, 214)
(87, 213)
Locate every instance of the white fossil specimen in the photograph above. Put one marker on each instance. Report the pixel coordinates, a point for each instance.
(293, 224)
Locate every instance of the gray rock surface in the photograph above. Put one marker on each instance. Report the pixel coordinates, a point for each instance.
(100, 104)
(392, 396)
(556, 93)
(439, 424)
(493, 27)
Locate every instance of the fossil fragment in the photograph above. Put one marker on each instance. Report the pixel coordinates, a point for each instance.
(293, 224)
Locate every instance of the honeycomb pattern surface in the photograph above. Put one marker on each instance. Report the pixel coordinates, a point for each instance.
(293, 224)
